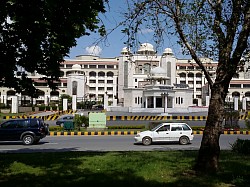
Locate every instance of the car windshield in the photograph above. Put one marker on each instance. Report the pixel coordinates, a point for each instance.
(153, 129)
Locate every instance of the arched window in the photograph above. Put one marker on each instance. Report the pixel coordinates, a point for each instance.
(235, 94)
(110, 74)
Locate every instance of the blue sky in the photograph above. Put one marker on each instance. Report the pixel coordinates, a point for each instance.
(115, 40)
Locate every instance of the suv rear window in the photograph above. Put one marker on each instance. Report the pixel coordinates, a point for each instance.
(34, 123)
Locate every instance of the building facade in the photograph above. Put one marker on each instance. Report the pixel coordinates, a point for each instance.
(141, 80)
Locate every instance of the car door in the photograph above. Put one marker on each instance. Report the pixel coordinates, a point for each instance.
(175, 133)
(8, 130)
(162, 133)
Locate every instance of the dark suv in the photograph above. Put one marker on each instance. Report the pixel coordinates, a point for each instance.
(30, 131)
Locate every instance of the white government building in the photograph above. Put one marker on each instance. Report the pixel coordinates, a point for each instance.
(139, 82)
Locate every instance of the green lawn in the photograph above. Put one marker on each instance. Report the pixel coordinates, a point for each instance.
(170, 168)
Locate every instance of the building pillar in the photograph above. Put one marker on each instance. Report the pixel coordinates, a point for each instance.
(165, 103)
(65, 104)
(146, 102)
(207, 100)
(14, 104)
(4, 99)
(244, 104)
(154, 102)
(46, 99)
(73, 102)
(236, 103)
(105, 102)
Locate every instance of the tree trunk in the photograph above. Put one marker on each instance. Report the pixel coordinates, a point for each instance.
(208, 157)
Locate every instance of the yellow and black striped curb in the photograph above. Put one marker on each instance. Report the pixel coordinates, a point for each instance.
(143, 118)
(47, 117)
(123, 118)
(113, 133)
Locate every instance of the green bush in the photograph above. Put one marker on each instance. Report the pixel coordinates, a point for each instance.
(55, 128)
(60, 108)
(47, 107)
(241, 146)
(54, 108)
(79, 120)
(41, 107)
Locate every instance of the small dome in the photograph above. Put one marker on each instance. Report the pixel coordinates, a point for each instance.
(124, 50)
(76, 67)
(146, 47)
(158, 71)
(168, 51)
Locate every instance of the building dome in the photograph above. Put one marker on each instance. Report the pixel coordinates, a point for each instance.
(168, 51)
(124, 50)
(146, 47)
(158, 71)
(76, 67)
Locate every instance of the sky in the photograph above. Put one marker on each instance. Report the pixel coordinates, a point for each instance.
(115, 40)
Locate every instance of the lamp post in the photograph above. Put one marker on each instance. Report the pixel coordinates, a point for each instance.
(164, 95)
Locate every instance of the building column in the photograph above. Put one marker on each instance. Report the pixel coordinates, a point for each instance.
(46, 99)
(244, 104)
(165, 103)
(236, 103)
(65, 104)
(154, 102)
(4, 99)
(146, 102)
(14, 104)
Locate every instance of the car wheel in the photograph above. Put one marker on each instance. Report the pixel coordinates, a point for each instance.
(28, 140)
(184, 140)
(146, 141)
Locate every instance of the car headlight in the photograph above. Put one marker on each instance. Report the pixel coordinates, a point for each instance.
(138, 135)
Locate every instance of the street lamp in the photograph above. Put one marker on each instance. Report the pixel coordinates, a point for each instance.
(164, 96)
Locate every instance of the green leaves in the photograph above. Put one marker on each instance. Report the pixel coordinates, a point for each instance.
(36, 35)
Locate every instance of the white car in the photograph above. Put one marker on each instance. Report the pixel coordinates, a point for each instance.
(166, 132)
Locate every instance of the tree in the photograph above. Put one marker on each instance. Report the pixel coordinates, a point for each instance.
(217, 29)
(36, 35)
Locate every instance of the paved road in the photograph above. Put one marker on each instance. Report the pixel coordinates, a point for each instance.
(106, 143)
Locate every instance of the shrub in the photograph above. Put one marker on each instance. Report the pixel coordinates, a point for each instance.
(54, 108)
(55, 128)
(79, 120)
(41, 107)
(47, 107)
(241, 146)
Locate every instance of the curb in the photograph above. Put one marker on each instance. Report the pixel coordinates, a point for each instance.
(119, 133)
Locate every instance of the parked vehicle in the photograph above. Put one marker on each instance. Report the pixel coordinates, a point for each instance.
(30, 131)
(166, 132)
(64, 118)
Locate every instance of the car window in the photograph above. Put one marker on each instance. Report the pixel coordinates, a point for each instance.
(9, 124)
(34, 123)
(22, 123)
(164, 128)
(176, 128)
(185, 127)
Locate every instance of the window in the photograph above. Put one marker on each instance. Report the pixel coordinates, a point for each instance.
(185, 127)
(235, 85)
(33, 123)
(164, 128)
(91, 88)
(100, 88)
(92, 66)
(136, 100)
(176, 128)
(92, 81)
(110, 66)
(9, 124)
(198, 82)
(100, 81)
(135, 80)
(101, 66)
(110, 81)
